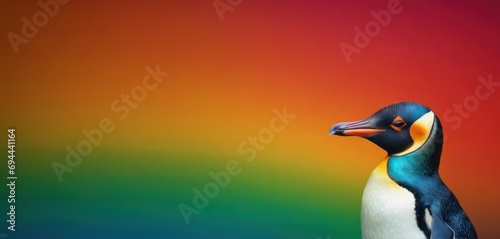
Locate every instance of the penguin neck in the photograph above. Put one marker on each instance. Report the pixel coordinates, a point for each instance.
(420, 164)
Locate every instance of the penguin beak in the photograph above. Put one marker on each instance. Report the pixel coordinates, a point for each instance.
(362, 128)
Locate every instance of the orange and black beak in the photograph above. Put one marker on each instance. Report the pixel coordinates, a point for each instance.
(362, 128)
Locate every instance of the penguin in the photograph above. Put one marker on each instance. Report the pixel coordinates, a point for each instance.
(405, 198)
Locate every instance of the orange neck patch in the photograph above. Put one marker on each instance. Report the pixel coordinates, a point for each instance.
(381, 170)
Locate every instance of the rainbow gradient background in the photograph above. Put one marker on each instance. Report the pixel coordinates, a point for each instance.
(226, 77)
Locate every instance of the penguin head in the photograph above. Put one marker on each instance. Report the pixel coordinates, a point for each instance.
(399, 128)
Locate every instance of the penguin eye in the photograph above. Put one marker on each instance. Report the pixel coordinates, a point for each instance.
(398, 123)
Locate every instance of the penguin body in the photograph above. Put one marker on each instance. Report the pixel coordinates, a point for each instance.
(387, 209)
(405, 196)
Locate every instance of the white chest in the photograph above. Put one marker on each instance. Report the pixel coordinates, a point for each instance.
(388, 210)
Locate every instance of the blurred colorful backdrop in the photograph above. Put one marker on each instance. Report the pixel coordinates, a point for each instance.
(210, 119)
